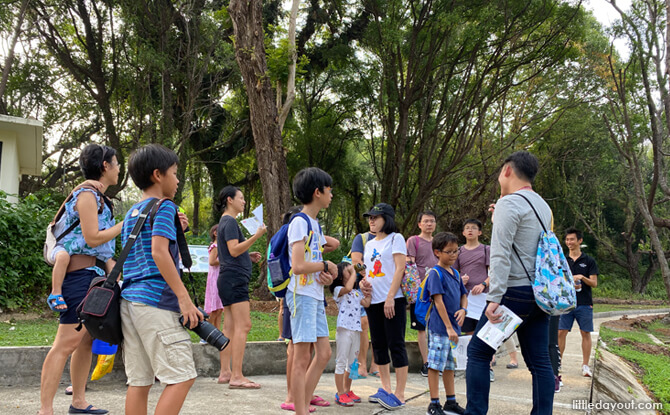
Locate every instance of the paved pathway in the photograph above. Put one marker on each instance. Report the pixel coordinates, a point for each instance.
(510, 393)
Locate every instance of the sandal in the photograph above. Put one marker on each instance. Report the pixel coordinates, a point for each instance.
(512, 365)
(374, 374)
(55, 300)
(319, 401)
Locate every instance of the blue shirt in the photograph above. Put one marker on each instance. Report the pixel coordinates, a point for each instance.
(451, 287)
(74, 242)
(142, 282)
(357, 245)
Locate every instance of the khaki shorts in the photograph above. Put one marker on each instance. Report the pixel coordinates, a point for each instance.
(155, 345)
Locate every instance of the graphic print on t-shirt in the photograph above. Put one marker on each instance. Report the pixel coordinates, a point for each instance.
(317, 256)
(377, 268)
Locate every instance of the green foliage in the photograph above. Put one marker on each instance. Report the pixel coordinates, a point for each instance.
(24, 276)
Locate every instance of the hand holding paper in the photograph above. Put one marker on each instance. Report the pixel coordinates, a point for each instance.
(255, 221)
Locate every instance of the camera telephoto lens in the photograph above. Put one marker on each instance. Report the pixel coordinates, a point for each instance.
(208, 332)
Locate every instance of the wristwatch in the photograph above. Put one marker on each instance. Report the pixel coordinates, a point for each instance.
(325, 266)
(485, 284)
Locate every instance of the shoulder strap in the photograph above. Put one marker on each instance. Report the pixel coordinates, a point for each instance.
(111, 278)
(532, 207)
(61, 209)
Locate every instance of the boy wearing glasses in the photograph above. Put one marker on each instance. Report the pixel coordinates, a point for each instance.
(447, 313)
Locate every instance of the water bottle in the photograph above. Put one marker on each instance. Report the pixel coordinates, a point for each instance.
(578, 285)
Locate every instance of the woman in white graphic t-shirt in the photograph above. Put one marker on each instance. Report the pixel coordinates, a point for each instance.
(384, 258)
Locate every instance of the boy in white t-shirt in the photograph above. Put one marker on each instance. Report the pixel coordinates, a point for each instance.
(312, 186)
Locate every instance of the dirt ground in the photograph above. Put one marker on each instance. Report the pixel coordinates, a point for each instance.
(618, 301)
(273, 306)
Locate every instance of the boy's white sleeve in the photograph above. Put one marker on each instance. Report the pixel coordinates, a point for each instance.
(297, 231)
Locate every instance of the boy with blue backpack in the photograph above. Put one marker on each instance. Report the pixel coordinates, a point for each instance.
(309, 274)
(445, 315)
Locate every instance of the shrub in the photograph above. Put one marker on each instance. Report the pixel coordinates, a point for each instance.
(24, 276)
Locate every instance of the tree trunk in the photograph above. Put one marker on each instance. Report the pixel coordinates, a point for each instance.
(250, 55)
(10, 56)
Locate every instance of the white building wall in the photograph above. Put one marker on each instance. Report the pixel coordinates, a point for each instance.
(9, 165)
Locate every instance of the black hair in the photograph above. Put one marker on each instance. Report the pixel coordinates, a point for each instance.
(339, 280)
(227, 192)
(524, 164)
(92, 158)
(146, 159)
(212, 237)
(576, 231)
(474, 222)
(425, 213)
(288, 215)
(442, 239)
(389, 225)
(307, 181)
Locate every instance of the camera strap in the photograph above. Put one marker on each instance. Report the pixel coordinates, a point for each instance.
(184, 253)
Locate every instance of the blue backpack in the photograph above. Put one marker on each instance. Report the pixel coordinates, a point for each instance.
(424, 301)
(279, 267)
(553, 286)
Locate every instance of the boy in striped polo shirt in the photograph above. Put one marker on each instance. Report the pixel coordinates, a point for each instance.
(156, 345)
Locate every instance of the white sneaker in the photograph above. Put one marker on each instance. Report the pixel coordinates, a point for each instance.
(586, 371)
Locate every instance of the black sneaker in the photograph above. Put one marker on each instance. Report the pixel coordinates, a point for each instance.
(424, 370)
(453, 408)
(434, 409)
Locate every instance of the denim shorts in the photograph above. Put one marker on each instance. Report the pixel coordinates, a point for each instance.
(440, 357)
(584, 316)
(308, 318)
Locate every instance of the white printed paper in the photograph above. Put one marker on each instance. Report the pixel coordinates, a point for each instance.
(200, 257)
(495, 334)
(460, 352)
(255, 221)
(476, 305)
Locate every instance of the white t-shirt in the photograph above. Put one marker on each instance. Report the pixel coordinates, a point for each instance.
(380, 266)
(349, 305)
(306, 284)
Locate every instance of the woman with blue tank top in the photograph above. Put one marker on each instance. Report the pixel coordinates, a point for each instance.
(91, 246)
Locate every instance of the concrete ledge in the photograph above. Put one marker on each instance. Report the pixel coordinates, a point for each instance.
(605, 314)
(23, 365)
(614, 383)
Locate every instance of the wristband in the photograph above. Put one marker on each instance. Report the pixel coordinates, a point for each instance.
(325, 266)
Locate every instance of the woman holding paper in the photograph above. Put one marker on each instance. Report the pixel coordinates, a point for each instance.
(233, 284)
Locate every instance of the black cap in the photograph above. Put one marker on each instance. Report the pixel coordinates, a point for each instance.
(380, 209)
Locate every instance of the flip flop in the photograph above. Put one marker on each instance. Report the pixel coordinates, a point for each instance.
(319, 401)
(88, 410)
(55, 300)
(374, 374)
(245, 385)
(291, 407)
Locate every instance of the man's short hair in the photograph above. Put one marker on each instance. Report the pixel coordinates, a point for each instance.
(576, 231)
(426, 213)
(442, 239)
(524, 164)
(474, 222)
(307, 181)
(146, 159)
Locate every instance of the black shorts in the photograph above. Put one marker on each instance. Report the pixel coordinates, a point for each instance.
(233, 288)
(286, 321)
(414, 324)
(75, 287)
(469, 325)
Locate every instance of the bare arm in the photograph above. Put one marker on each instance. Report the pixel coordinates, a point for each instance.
(160, 251)
(389, 304)
(348, 286)
(591, 280)
(214, 257)
(331, 244)
(356, 258)
(300, 266)
(88, 214)
(237, 248)
(442, 311)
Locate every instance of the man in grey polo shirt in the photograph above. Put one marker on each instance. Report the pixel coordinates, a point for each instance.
(514, 225)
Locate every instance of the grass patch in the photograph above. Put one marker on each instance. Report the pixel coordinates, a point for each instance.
(600, 308)
(41, 332)
(656, 367)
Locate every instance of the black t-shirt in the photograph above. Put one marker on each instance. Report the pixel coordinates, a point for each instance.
(228, 230)
(584, 265)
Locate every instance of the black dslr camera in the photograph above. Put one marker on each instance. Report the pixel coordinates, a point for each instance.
(208, 332)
